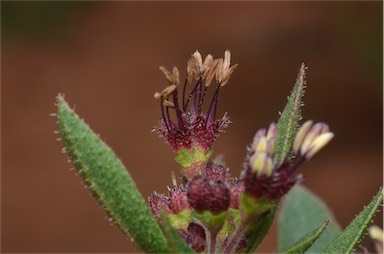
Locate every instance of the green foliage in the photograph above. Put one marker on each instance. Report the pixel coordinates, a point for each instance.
(109, 181)
(300, 213)
(176, 243)
(304, 243)
(352, 235)
(289, 120)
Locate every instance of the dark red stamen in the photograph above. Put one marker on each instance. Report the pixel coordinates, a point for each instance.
(189, 98)
(178, 111)
(184, 90)
(168, 117)
(212, 106)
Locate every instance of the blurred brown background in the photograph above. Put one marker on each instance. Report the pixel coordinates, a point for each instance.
(105, 55)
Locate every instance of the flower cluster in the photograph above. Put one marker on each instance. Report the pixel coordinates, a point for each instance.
(188, 129)
(211, 209)
(264, 177)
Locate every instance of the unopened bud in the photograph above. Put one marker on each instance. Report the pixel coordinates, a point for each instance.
(319, 143)
(272, 131)
(158, 202)
(311, 138)
(264, 141)
(205, 195)
(178, 200)
(261, 145)
(376, 234)
(301, 134)
(261, 163)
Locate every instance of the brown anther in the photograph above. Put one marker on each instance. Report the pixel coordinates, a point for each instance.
(190, 68)
(195, 67)
(198, 60)
(157, 96)
(227, 60)
(168, 103)
(223, 71)
(207, 65)
(228, 74)
(168, 90)
(210, 73)
(175, 76)
(219, 70)
(167, 74)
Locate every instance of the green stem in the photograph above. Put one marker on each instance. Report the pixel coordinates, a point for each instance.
(236, 237)
(212, 241)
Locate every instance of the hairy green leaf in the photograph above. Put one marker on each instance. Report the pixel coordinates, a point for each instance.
(176, 243)
(351, 236)
(289, 119)
(259, 230)
(301, 211)
(109, 181)
(304, 243)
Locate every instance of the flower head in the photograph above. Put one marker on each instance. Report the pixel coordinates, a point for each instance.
(189, 128)
(263, 177)
(205, 195)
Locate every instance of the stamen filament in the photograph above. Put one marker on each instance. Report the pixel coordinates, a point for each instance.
(201, 96)
(189, 98)
(212, 106)
(163, 115)
(178, 111)
(169, 118)
(297, 162)
(184, 90)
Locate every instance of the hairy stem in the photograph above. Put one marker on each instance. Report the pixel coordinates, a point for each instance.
(212, 244)
(236, 237)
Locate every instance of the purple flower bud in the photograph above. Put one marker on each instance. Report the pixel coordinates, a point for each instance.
(205, 195)
(157, 202)
(178, 200)
(236, 189)
(215, 172)
(196, 229)
(195, 236)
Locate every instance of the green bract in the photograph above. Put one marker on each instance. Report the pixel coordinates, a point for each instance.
(109, 181)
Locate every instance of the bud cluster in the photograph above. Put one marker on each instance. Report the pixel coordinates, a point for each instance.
(212, 191)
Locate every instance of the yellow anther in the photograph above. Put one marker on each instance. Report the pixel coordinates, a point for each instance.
(261, 163)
